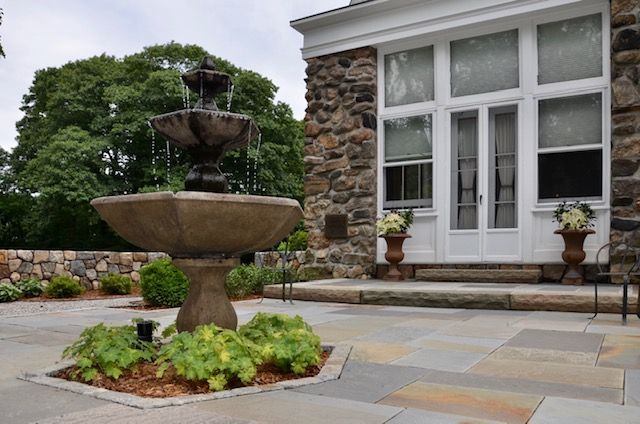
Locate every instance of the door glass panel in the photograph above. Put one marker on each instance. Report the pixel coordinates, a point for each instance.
(408, 77)
(502, 167)
(570, 49)
(569, 121)
(484, 64)
(407, 138)
(464, 178)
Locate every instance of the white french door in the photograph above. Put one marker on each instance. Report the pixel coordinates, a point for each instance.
(483, 219)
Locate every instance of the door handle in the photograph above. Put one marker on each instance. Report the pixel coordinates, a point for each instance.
(481, 199)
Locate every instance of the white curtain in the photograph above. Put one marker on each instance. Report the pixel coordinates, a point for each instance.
(467, 165)
(505, 130)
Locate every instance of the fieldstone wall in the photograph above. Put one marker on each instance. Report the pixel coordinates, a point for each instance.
(340, 161)
(273, 259)
(87, 267)
(625, 115)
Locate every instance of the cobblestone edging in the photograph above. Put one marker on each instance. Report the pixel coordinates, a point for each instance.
(331, 371)
(86, 266)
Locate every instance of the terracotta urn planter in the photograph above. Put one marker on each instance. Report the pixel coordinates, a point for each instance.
(394, 255)
(573, 254)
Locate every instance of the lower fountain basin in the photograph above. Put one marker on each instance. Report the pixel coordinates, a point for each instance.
(192, 224)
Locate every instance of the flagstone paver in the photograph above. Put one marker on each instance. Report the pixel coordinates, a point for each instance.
(457, 343)
(518, 385)
(545, 355)
(379, 352)
(551, 372)
(446, 360)
(477, 403)
(632, 387)
(562, 411)
(417, 416)
(620, 352)
(557, 340)
(366, 382)
(295, 407)
(397, 334)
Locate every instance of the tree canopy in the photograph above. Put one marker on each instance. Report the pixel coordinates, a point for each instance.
(85, 134)
(1, 50)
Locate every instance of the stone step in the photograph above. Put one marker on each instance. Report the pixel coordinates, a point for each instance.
(480, 275)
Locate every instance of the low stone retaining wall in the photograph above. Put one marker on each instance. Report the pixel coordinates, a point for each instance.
(86, 266)
(273, 259)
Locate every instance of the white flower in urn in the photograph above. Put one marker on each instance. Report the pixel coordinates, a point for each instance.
(394, 223)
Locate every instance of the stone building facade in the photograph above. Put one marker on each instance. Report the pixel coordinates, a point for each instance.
(88, 267)
(346, 49)
(625, 117)
(340, 162)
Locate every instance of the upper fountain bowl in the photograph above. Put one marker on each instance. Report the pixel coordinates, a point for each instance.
(193, 128)
(191, 224)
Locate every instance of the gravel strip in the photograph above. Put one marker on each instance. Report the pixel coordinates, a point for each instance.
(14, 309)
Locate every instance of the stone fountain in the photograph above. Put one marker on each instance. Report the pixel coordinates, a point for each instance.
(204, 229)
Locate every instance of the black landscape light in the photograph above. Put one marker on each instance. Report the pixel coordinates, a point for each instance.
(145, 331)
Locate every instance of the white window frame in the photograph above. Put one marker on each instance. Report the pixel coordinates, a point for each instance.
(527, 94)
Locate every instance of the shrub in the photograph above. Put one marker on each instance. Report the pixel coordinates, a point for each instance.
(63, 286)
(209, 353)
(30, 287)
(297, 241)
(308, 274)
(288, 343)
(109, 350)
(249, 279)
(163, 284)
(116, 284)
(9, 292)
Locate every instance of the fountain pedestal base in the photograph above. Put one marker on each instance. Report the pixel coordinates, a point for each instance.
(207, 301)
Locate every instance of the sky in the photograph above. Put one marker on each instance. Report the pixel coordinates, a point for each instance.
(252, 34)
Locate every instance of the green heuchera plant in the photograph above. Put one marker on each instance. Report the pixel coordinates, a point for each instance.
(109, 350)
(30, 287)
(116, 284)
(288, 343)
(9, 292)
(163, 284)
(63, 286)
(208, 353)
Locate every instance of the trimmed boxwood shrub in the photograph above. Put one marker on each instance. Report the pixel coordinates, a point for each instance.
(63, 286)
(9, 292)
(249, 279)
(163, 284)
(30, 287)
(116, 284)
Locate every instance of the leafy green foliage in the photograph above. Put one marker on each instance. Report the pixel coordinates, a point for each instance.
(30, 287)
(297, 241)
(9, 292)
(63, 286)
(163, 284)
(308, 274)
(289, 343)
(170, 330)
(84, 134)
(248, 279)
(108, 350)
(116, 284)
(209, 353)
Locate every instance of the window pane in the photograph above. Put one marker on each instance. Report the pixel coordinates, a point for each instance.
(503, 168)
(570, 50)
(464, 170)
(484, 64)
(394, 183)
(569, 121)
(570, 174)
(407, 138)
(408, 76)
(408, 186)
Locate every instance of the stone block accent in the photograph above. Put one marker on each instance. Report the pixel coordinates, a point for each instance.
(340, 161)
(625, 125)
(481, 275)
(86, 267)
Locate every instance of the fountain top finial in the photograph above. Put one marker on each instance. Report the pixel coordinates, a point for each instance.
(207, 82)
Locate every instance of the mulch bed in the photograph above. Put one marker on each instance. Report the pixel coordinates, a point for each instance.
(143, 381)
(87, 295)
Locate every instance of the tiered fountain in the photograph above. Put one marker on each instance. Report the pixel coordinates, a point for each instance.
(204, 229)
